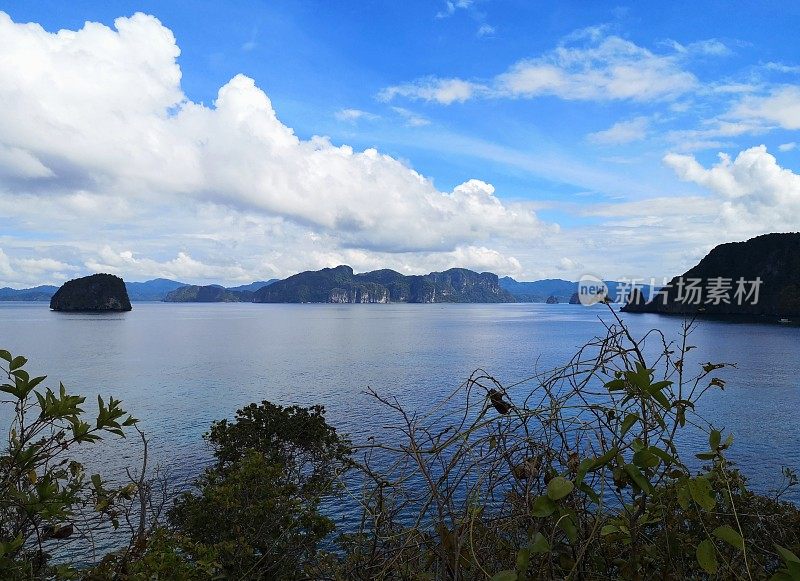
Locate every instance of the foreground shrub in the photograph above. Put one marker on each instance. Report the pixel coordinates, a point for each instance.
(47, 500)
(578, 473)
(257, 507)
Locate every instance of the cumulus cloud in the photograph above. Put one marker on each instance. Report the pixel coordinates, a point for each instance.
(757, 194)
(622, 132)
(787, 146)
(26, 272)
(181, 267)
(567, 264)
(605, 68)
(133, 146)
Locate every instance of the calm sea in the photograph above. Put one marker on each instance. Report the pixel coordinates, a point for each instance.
(177, 367)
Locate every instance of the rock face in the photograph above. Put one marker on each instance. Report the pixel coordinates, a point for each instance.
(725, 282)
(551, 300)
(95, 293)
(341, 285)
(207, 294)
(574, 299)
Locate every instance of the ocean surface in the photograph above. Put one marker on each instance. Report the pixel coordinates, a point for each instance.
(177, 367)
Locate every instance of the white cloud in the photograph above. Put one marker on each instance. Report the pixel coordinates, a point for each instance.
(604, 68)
(622, 132)
(613, 69)
(757, 194)
(5, 266)
(182, 267)
(412, 119)
(27, 272)
(444, 91)
(782, 68)
(486, 30)
(450, 7)
(139, 166)
(787, 146)
(710, 132)
(567, 264)
(781, 106)
(710, 47)
(353, 115)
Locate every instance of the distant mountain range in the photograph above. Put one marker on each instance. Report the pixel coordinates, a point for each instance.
(151, 290)
(759, 277)
(454, 285)
(37, 293)
(556, 290)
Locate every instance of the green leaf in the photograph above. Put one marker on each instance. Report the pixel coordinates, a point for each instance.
(645, 459)
(667, 458)
(609, 530)
(792, 562)
(615, 384)
(505, 576)
(714, 439)
(706, 455)
(568, 526)
(543, 506)
(523, 557)
(683, 496)
(730, 536)
(559, 487)
(629, 420)
(539, 544)
(590, 492)
(601, 461)
(638, 478)
(700, 490)
(786, 554)
(5, 355)
(17, 362)
(707, 557)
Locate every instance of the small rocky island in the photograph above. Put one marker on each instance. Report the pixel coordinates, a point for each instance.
(98, 293)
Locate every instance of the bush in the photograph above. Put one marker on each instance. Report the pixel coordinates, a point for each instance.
(46, 497)
(257, 507)
(576, 474)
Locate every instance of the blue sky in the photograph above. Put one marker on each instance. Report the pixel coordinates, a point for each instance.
(584, 127)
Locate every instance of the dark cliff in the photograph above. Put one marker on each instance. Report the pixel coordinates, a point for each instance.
(728, 281)
(341, 285)
(95, 293)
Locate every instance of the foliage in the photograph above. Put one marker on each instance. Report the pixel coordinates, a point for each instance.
(273, 467)
(578, 473)
(44, 491)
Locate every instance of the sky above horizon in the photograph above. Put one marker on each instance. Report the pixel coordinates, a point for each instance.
(231, 142)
